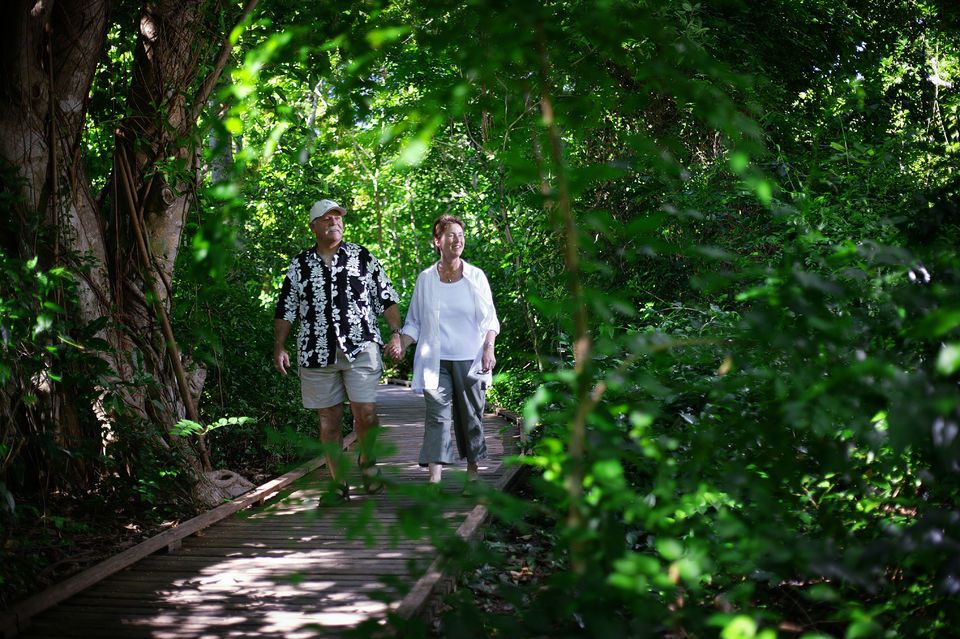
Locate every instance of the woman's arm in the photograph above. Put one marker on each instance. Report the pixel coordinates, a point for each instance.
(490, 321)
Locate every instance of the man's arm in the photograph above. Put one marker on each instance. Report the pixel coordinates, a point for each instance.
(286, 308)
(281, 330)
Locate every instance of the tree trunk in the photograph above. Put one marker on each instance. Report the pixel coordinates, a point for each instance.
(47, 69)
(50, 52)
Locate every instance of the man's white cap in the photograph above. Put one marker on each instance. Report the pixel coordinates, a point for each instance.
(321, 207)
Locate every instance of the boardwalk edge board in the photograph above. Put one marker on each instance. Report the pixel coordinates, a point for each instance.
(438, 579)
(17, 618)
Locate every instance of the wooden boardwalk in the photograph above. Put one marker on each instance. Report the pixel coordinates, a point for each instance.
(287, 569)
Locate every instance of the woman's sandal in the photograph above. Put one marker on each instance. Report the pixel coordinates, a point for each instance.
(372, 482)
(471, 486)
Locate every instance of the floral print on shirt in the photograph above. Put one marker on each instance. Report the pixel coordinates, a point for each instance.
(337, 307)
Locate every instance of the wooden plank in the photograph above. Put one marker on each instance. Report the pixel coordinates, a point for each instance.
(133, 589)
(303, 606)
(267, 565)
(308, 592)
(371, 571)
(287, 543)
(173, 626)
(213, 547)
(339, 519)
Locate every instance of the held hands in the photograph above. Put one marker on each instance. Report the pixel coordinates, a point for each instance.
(393, 349)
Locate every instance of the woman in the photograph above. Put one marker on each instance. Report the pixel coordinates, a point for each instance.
(454, 324)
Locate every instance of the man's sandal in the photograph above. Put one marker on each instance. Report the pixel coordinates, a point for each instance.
(339, 495)
(372, 481)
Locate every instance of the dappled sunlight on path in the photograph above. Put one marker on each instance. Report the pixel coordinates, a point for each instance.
(287, 568)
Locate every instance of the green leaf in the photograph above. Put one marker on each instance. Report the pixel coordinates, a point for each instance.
(939, 322)
(186, 428)
(609, 471)
(637, 564)
(67, 340)
(739, 161)
(863, 628)
(379, 37)
(44, 322)
(670, 549)
(948, 360)
(413, 152)
(740, 627)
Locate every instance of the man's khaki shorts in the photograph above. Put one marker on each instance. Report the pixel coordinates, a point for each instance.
(330, 385)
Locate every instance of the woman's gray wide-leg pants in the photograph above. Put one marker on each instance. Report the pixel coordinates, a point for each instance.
(454, 410)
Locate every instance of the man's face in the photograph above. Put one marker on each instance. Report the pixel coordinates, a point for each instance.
(328, 227)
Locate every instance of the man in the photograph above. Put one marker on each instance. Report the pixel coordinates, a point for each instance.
(336, 290)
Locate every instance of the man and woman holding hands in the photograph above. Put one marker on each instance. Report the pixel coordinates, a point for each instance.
(336, 290)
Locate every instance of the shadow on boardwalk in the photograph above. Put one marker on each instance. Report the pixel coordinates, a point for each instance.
(288, 569)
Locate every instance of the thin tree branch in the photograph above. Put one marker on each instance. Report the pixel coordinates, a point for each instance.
(583, 344)
(221, 62)
(172, 348)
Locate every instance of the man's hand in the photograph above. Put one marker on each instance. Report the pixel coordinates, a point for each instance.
(281, 328)
(281, 360)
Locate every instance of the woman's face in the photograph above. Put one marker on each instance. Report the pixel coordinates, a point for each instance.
(450, 241)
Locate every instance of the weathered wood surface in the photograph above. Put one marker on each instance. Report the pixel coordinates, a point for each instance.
(287, 568)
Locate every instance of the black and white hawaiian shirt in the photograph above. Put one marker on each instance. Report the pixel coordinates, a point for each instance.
(337, 307)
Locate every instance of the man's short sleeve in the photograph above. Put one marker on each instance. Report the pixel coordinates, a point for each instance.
(287, 301)
(385, 296)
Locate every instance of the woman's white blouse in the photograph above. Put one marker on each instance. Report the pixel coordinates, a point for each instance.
(459, 339)
(423, 323)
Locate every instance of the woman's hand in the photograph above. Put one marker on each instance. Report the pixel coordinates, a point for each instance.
(488, 360)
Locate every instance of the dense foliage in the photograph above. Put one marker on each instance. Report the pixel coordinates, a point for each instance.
(721, 240)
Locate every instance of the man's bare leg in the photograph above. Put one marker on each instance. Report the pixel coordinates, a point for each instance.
(366, 423)
(332, 437)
